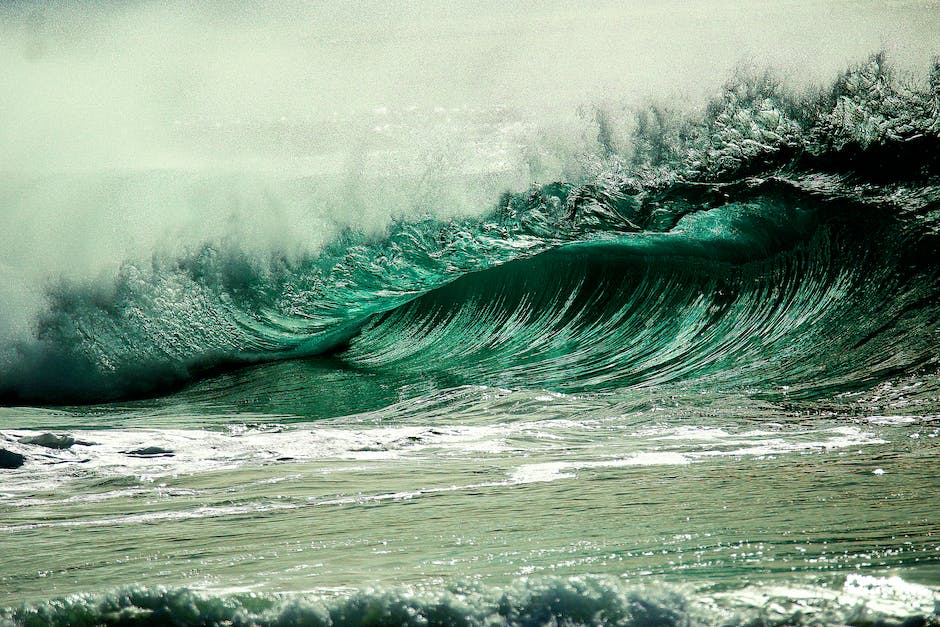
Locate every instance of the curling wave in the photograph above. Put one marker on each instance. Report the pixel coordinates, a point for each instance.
(775, 242)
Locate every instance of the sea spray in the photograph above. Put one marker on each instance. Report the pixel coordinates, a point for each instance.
(757, 172)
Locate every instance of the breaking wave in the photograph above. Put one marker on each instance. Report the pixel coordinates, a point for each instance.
(589, 600)
(774, 241)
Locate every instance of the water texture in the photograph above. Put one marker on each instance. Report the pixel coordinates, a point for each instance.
(698, 386)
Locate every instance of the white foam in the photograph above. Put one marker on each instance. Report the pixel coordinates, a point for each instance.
(862, 599)
(553, 471)
(749, 444)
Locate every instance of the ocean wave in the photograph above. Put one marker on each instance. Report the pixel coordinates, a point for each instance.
(777, 240)
(587, 600)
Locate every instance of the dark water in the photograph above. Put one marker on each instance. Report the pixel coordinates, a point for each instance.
(699, 389)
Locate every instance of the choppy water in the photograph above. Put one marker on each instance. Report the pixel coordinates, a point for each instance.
(701, 388)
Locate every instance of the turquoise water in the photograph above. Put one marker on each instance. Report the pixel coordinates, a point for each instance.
(700, 388)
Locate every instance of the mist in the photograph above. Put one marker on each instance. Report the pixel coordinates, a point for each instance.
(132, 129)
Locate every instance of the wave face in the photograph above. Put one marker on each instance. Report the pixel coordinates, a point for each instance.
(776, 243)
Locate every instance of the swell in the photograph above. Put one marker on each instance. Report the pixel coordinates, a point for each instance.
(777, 241)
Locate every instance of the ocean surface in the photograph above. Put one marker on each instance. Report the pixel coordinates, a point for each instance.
(697, 384)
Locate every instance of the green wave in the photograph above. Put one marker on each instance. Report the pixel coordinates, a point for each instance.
(779, 241)
(827, 315)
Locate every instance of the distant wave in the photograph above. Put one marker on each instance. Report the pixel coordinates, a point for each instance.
(774, 240)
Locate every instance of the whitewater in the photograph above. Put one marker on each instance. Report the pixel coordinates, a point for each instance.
(385, 314)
